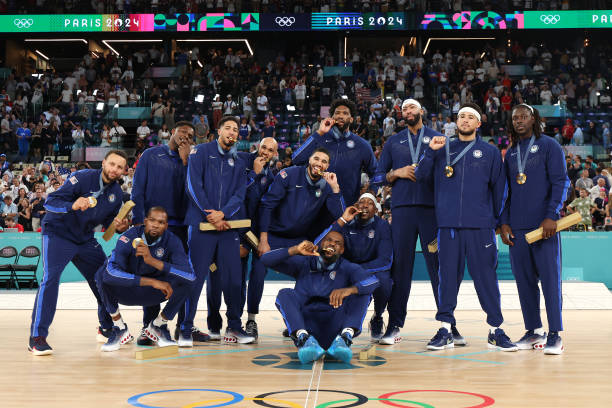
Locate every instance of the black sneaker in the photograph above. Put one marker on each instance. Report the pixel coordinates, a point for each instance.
(199, 336)
(39, 346)
(143, 340)
(458, 339)
(251, 328)
(376, 328)
(286, 333)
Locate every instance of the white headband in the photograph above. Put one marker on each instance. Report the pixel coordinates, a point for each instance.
(524, 105)
(467, 109)
(412, 102)
(371, 197)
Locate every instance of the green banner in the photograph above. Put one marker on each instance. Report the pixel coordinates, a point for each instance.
(568, 19)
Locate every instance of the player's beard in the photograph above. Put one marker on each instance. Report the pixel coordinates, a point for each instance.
(415, 121)
(465, 132)
(108, 176)
(344, 127)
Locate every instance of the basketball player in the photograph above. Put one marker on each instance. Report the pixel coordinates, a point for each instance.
(148, 266)
(538, 183)
(87, 199)
(326, 308)
(470, 189)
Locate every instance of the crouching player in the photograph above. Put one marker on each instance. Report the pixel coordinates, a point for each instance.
(147, 267)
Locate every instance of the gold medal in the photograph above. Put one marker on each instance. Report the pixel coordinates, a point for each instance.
(415, 165)
(92, 202)
(521, 178)
(448, 171)
(136, 242)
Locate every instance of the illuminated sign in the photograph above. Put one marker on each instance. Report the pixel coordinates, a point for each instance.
(568, 19)
(358, 21)
(285, 22)
(472, 20)
(190, 22)
(129, 22)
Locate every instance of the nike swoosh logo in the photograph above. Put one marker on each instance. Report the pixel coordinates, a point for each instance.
(352, 233)
(403, 141)
(452, 154)
(212, 157)
(160, 155)
(513, 154)
(327, 140)
(298, 186)
(486, 246)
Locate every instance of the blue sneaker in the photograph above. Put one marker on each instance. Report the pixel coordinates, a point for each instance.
(199, 336)
(117, 339)
(39, 346)
(309, 349)
(237, 336)
(531, 340)
(341, 348)
(376, 328)
(499, 341)
(442, 340)
(554, 345)
(160, 334)
(458, 339)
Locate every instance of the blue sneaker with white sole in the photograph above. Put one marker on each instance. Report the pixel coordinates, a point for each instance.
(531, 340)
(309, 349)
(499, 341)
(118, 338)
(160, 334)
(39, 346)
(341, 348)
(377, 325)
(442, 340)
(554, 344)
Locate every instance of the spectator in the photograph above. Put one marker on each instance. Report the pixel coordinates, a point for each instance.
(584, 182)
(600, 202)
(163, 136)
(157, 112)
(247, 106)
(262, 105)
(117, 133)
(143, 131)
(10, 222)
(450, 128)
(8, 207)
(585, 207)
(24, 212)
(217, 111)
(24, 135)
(595, 190)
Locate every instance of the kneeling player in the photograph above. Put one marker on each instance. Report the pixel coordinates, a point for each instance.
(148, 266)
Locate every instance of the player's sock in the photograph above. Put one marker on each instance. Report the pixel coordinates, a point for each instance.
(539, 331)
(252, 316)
(159, 321)
(446, 326)
(118, 320)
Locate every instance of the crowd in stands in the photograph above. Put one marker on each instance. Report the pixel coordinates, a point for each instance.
(287, 6)
(61, 113)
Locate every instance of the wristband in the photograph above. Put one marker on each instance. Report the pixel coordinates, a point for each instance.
(343, 220)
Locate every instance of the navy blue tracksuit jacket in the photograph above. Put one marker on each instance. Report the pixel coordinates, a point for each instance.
(350, 155)
(293, 201)
(119, 279)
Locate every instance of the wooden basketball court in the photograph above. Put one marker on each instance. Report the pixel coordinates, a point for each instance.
(268, 373)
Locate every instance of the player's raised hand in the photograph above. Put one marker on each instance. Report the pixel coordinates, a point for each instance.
(437, 142)
(305, 248)
(326, 125)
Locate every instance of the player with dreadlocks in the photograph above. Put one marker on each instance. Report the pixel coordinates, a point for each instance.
(537, 187)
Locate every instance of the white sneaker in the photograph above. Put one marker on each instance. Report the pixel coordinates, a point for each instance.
(184, 341)
(392, 336)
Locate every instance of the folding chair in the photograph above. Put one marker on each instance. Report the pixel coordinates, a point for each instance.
(7, 275)
(26, 274)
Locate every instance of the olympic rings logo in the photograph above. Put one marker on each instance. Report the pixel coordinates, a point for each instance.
(550, 19)
(285, 21)
(355, 401)
(23, 22)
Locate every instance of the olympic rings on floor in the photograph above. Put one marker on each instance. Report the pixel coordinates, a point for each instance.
(422, 404)
(134, 400)
(358, 400)
(361, 399)
(487, 401)
(197, 404)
